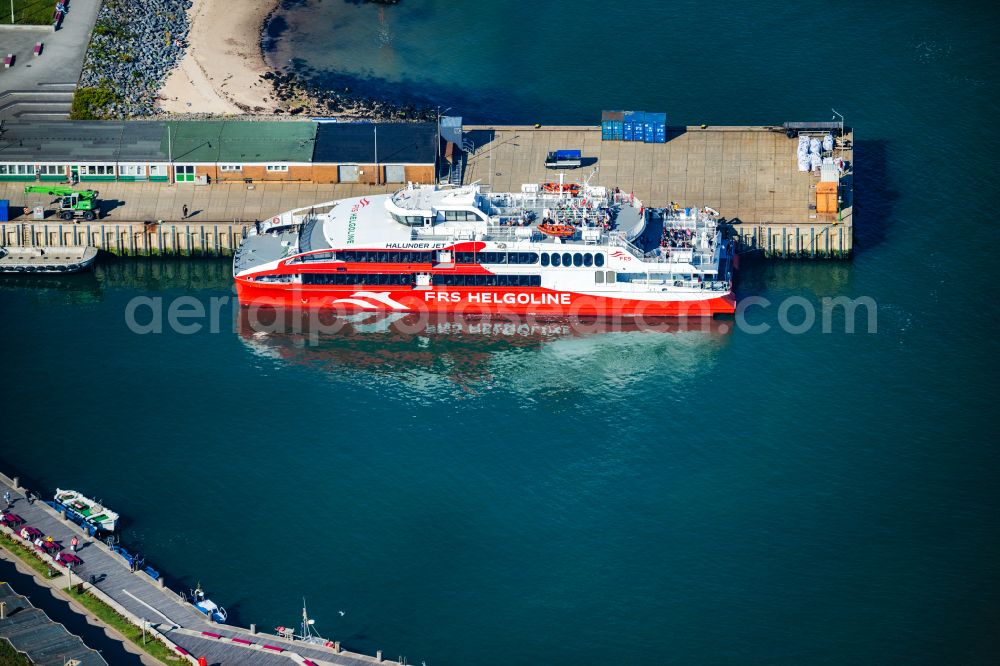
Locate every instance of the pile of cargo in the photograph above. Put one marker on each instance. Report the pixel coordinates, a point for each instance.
(810, 151)
(634, 126)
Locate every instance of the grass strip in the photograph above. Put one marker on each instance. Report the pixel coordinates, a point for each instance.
(28, 12)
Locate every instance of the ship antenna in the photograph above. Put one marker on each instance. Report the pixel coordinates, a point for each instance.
(305, 619)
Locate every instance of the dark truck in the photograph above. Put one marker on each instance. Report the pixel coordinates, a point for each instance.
(563, 159)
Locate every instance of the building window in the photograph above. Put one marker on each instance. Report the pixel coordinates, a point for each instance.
(97, 169)
(277, 168)
(17, 170)
(52, 170)
(158, 170)
(137, 170)
(239, 167)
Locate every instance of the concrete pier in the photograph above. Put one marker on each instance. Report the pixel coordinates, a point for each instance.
(748, 174)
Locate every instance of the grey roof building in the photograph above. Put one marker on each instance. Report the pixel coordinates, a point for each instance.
(83, 141)
(402, 143)
(31, 632)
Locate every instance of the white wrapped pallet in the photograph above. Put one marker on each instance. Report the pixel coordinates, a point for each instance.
(817, 161)
(828, 142)
(803, 163)
(814, 146)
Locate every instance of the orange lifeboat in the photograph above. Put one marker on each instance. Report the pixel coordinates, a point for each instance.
(571, 188)
(557, 230)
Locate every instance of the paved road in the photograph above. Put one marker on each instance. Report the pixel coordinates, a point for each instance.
(180, 621)
(42, 86)
(137, 202)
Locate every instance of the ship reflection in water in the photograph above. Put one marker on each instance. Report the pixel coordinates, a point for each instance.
(474, 352)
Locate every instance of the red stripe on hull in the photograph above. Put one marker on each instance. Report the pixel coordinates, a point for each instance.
(533, 301)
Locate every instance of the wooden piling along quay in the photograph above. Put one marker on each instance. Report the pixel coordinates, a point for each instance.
(795, 241)
(130, 240)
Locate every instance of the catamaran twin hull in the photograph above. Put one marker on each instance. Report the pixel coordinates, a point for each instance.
(428, 249)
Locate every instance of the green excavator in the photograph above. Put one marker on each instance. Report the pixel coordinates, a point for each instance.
(73, 204)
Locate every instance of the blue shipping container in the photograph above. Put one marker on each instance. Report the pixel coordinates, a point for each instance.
(4, 206)
(636, 118)
(617, 130)
(629, 130)
(649, 129)
(661, 133)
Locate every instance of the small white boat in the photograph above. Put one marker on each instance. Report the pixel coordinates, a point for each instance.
(87, 510)
(70, 259)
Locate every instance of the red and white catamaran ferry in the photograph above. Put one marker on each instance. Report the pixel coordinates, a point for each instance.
(551, 249)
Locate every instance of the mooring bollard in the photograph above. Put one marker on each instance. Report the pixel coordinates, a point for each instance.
(161, 582)
(378, 656)
(17, 482)
(253, 629)
(336, 647)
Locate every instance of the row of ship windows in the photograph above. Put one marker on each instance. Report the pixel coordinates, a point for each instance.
(401, 279)
(578, 259)
(405, 279)
(487, 280)
(417, 257)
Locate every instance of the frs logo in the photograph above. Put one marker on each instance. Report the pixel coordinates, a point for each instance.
(361, 204)
(363, 300)
(618, 254)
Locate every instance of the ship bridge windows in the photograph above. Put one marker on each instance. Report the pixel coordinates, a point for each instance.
(409, 220)
(462, 216)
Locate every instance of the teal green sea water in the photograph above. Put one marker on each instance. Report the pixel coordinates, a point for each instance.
(694, 497)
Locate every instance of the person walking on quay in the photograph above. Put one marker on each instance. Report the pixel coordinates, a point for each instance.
(73, 543)
(6, 498)
(184, 210)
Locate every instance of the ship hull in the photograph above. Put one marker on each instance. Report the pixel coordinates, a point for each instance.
(491, 300)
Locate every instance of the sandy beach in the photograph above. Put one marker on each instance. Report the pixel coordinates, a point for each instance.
(220, 71)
